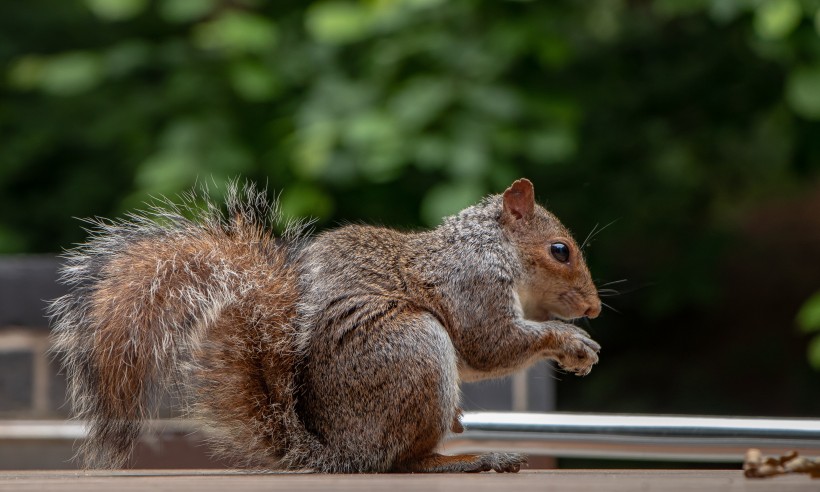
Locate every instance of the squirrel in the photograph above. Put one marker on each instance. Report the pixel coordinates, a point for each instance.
(340, 352)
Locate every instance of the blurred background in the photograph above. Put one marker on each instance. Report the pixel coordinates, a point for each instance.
(686, 131)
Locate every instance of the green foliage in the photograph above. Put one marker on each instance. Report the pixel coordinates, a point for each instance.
(808, 319)
(116, 10)
(640, 105)
(64, 74)
(776, 19)
(236, 33)
(803, 91)
(814, 352)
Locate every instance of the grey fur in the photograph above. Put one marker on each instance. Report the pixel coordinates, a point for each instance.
(384, 327)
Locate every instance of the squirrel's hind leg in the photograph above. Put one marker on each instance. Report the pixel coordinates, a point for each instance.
(470, 463)
(384, 394)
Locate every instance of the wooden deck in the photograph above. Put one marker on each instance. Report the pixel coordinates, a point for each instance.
(553, 480)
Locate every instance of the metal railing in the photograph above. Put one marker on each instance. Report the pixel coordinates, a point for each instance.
(645, 437)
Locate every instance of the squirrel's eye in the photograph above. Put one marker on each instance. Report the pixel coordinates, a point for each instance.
(560, 252)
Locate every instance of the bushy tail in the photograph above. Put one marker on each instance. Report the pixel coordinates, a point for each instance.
(159, 299)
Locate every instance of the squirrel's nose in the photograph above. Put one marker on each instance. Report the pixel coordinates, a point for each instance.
(594, 310)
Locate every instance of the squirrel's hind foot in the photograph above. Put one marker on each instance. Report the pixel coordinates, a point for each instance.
(467, 463)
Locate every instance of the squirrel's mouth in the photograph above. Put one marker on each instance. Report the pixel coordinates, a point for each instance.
(535, 309)
(554, 316)
(542, 315)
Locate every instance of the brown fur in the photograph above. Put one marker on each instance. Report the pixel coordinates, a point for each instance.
(341, 355)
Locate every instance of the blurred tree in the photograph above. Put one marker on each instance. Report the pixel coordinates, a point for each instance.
(809, 321)
(674, 117)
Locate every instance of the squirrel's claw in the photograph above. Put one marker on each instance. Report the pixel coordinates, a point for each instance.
(579, 354)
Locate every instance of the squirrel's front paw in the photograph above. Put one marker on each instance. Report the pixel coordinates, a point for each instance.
(578, 354)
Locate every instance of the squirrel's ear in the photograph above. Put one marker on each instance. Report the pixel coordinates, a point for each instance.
(519, 199)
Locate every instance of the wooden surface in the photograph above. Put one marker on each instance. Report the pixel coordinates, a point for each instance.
(554, 480)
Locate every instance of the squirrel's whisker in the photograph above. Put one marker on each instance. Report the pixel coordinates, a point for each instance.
(614, 282)
(594, 232)
(610, 307)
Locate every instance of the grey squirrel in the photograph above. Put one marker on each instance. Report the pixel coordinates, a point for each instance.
(341, 352)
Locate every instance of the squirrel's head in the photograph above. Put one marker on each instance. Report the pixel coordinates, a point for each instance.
(556, 281)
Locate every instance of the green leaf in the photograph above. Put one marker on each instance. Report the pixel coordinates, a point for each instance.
(116, 10)
(422, 3)
(808, 318)
(725, 11)
(71, 73)
(304, 200)
(817, 21)
(312, 149)
(803, 91)
(776, 19)
(377, 141)
(123, 58)
(813, 352)
(603, 19)
(676, 8)
(370, 128)
(253, 81)
(338, 22)
(447, 199)
(549, 146)
(26, 72)
(431, 152)
(469, 158)
(167, 172)
(237, 32)
(420, 100)
(553, 51)
(185, 10)
(498, 102)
